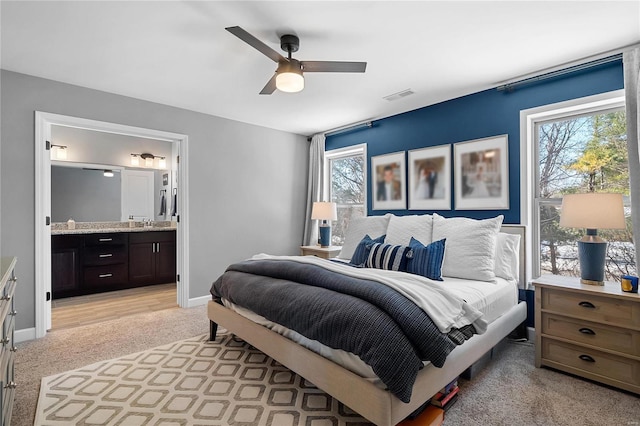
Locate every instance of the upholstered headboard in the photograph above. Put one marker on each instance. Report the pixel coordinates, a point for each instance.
(519, 230)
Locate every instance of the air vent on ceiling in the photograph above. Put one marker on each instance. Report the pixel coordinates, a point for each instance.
(396, 96)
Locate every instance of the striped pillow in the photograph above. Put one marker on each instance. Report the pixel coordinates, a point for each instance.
(361, 253)
(387, 256)
(426, 260)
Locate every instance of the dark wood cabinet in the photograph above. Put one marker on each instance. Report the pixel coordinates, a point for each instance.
(65, 265)
(94, 263)
(152, 257)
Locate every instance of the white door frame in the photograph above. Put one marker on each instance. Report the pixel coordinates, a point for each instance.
(43, 123)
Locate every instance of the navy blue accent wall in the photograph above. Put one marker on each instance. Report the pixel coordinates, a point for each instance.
(480, 115)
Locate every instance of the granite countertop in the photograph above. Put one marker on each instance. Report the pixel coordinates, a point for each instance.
(110, 227)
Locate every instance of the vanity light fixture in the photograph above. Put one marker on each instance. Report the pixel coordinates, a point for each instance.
(61, 151)
(108, 173)
(149, 160)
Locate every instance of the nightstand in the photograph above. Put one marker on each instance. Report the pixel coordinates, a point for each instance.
(323, 252)
(589, 331)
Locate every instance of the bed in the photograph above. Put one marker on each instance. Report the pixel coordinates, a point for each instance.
(363, 393)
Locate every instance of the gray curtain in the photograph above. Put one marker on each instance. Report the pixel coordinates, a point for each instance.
(314, 186)
(631, 60)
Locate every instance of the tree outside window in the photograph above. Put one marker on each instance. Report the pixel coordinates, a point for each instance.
(346, 174)
(582, 154)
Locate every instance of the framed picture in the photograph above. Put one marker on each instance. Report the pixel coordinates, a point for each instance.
(482, 174)
(388, 182)
(430, 178)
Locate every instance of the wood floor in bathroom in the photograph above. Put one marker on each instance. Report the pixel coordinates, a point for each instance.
(82, 310)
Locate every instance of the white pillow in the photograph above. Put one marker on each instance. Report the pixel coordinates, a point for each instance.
(402, 228)
(470, 247)
(507, 256)
(374, 226)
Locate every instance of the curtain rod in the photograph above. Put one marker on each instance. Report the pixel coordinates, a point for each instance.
(567, 67)
(349, 128)
(559, 73)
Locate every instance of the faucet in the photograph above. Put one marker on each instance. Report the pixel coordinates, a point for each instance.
(147, 223)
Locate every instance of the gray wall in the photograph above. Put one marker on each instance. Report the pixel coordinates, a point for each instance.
(247, 183)
(84, 195)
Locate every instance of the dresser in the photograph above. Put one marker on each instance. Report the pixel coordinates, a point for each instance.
(589, 331)
(7, 350)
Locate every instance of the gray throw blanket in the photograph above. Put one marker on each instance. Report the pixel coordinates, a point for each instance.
(384, 328)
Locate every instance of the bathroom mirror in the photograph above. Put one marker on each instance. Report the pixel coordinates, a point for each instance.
(105, 193)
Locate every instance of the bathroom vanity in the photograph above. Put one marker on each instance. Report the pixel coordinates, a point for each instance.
(95, 260)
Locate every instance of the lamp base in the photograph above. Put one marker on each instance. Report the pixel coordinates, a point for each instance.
(325, 236)
(591, 282)
(592, 251)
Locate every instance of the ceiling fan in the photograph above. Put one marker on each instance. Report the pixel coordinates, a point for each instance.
(289, 74)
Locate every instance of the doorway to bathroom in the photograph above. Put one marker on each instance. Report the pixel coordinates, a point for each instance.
(112, 227)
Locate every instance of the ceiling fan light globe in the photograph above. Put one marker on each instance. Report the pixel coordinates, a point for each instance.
(290, 82)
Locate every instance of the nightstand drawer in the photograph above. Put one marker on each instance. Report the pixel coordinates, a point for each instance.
(592, 308)
(591, 361)
(613, 338)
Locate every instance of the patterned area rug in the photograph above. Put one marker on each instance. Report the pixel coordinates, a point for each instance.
(191, 382)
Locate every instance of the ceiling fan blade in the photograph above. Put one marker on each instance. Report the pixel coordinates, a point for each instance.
(270, 87)
(333, 66)
(256, 44)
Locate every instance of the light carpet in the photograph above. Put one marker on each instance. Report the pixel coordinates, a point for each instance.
(191, 382)
(508, 391)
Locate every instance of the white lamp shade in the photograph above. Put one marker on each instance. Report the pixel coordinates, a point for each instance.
(592, 211)
(135, 160)
(324, 211)
(162, 163)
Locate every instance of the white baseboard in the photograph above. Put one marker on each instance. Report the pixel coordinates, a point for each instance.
(531, 334)
(198, 301)
(24, 335)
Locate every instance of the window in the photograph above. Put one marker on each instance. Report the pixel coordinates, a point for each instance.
(579, 149)
(345, 183)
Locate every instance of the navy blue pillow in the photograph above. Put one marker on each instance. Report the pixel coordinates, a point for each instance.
(426, 260)
(361, 253)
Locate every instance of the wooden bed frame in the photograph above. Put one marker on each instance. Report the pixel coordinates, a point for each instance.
(376, 405)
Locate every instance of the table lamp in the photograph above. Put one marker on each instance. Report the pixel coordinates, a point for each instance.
(592, 211)
(324, 211)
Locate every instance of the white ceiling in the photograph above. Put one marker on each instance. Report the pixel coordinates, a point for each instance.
(178, 53)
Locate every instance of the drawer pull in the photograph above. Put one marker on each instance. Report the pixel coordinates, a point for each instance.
(7, 298)
(105, 255)
(13, 313)
(587, 305)
(586, 358)
(105, 275)
(104, 240)
(5, 340)
(586, 330)
(13, 279)
(11, 385)
(14, 349)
